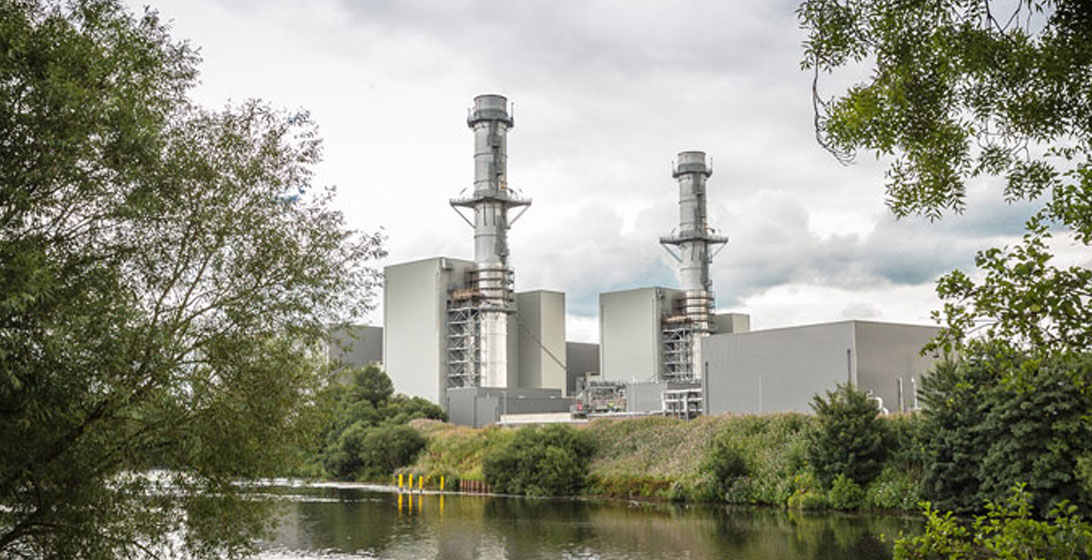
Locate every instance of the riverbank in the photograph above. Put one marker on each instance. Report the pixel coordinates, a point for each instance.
(665, 459)
(344, 521)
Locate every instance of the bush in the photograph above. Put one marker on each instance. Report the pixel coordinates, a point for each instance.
(728, 465)
(372, 453)
(849, 438)
(845, 494)
(549, 461)
(754, 459)
(806, 493)
(1084, 475)
(1008, 530)
(895, 488)
(636, 486)
(387, 448)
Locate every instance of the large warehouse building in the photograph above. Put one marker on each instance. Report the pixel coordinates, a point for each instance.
(779, 370)
(457, 333)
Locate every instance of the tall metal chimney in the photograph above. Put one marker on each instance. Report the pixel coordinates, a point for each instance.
(692, 316)
(487, 298)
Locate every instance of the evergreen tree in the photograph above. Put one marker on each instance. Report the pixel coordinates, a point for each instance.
(849, 438)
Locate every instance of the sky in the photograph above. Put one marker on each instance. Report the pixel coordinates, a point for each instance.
(605, 93)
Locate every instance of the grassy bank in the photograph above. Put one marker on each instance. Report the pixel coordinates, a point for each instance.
(667, 459)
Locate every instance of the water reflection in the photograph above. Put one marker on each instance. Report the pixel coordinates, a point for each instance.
(363, 523)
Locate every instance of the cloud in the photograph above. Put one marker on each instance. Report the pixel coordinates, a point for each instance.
(606, 93)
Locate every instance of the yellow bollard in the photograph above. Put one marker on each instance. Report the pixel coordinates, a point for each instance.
(441, 484)
(399, 482)
(410, 481)
(420, 483)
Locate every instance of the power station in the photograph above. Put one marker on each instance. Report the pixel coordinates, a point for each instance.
(458, 333)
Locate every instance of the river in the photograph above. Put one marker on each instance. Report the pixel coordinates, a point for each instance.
(341, 522)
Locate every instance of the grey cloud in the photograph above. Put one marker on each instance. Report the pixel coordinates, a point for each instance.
(860, 311)
(612, 36)
(771, 244)
(779, 248)
(607, 92)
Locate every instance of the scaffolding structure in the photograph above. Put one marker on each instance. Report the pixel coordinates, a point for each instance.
(463, 343)
(486, 292)
(678, 340)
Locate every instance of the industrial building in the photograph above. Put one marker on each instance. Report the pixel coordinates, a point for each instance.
(355, 346)
(457, 332)
(581, 361)
(654, 334)
(779, 370)
(643, 338)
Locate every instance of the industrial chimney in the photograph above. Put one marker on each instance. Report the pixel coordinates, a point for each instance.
(478, 314)
(692, 311)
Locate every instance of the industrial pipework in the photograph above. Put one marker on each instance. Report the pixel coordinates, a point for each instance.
(478, 314)
(692, 313)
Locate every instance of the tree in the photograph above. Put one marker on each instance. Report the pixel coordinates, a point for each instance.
(848, 439)
(164, 270)
(964, 89)
(363, 427)
(372, 384)
(954, 444)
(996, 420)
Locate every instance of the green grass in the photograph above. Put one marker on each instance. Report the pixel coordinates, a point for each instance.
(455, 452)
(666, 459)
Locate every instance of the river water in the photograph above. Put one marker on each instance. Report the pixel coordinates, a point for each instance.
(340, 522)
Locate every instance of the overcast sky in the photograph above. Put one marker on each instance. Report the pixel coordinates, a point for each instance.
(606, 94)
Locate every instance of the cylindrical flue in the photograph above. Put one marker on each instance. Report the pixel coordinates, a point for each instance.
(491, 279)
(692, 316)
(490, 120)
(691, 173)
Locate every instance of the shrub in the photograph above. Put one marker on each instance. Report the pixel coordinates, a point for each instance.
(849, 438)
(728, 465)
(363, 452)
(635, 486)
(845, 494)
(806, 493)
(358, 419)
(1008, 530)
(1084, 475)
(754, 459)
(895, 488)
(549, 461)
(386, 448)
